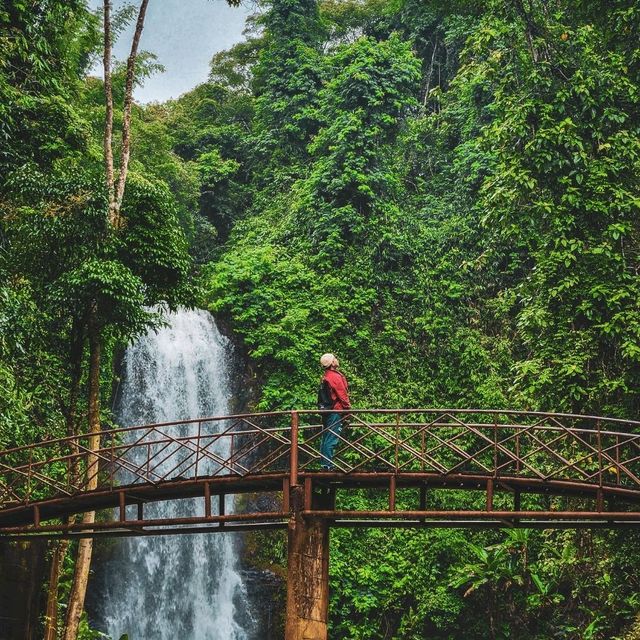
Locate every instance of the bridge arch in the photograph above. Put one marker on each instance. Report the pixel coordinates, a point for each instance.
(529, 470)
(506, 457)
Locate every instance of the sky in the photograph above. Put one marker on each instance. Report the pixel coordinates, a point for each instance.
(184, 34)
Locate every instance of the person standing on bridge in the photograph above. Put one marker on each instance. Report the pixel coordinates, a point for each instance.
(334, 394)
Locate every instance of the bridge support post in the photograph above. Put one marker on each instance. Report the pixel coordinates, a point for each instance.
(307, 574)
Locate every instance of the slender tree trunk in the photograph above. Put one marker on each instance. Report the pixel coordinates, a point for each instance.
(51, 615)
(108, 121)
(492, 614)
(126, 112)
(80, 581)
(85, 545)
(77, 349)
(61, 547)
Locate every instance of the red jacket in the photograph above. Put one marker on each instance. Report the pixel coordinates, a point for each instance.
(339, 389)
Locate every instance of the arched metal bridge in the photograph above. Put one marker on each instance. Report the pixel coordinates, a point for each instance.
(392, 468)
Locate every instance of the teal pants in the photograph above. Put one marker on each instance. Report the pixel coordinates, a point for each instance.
(333, 426)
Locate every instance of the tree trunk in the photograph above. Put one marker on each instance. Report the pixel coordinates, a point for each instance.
(51, 615)
(61, 547)
(492, 614)
(108, 121)
(85, 545)
(126, 113)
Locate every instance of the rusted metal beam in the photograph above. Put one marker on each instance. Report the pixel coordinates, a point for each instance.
(486, 523)
(32, 534)
(293, 457)
(60, 507)
(176, 523)
(626, 516)
(207, 500)
(308, 492)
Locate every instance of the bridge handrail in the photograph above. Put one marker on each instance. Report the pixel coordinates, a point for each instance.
(34, 465)
(240, 416)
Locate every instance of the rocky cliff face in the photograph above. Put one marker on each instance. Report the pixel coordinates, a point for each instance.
(266, 593)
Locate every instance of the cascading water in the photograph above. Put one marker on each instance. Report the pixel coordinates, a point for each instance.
(179, 586)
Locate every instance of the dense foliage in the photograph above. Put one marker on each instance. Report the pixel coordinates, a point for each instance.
(445, 194)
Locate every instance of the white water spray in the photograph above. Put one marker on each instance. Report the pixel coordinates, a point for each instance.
(182, 586)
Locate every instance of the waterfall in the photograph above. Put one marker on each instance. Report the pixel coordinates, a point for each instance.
(179, 586)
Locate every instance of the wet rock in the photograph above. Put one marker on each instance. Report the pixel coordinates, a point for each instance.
(266, 592)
